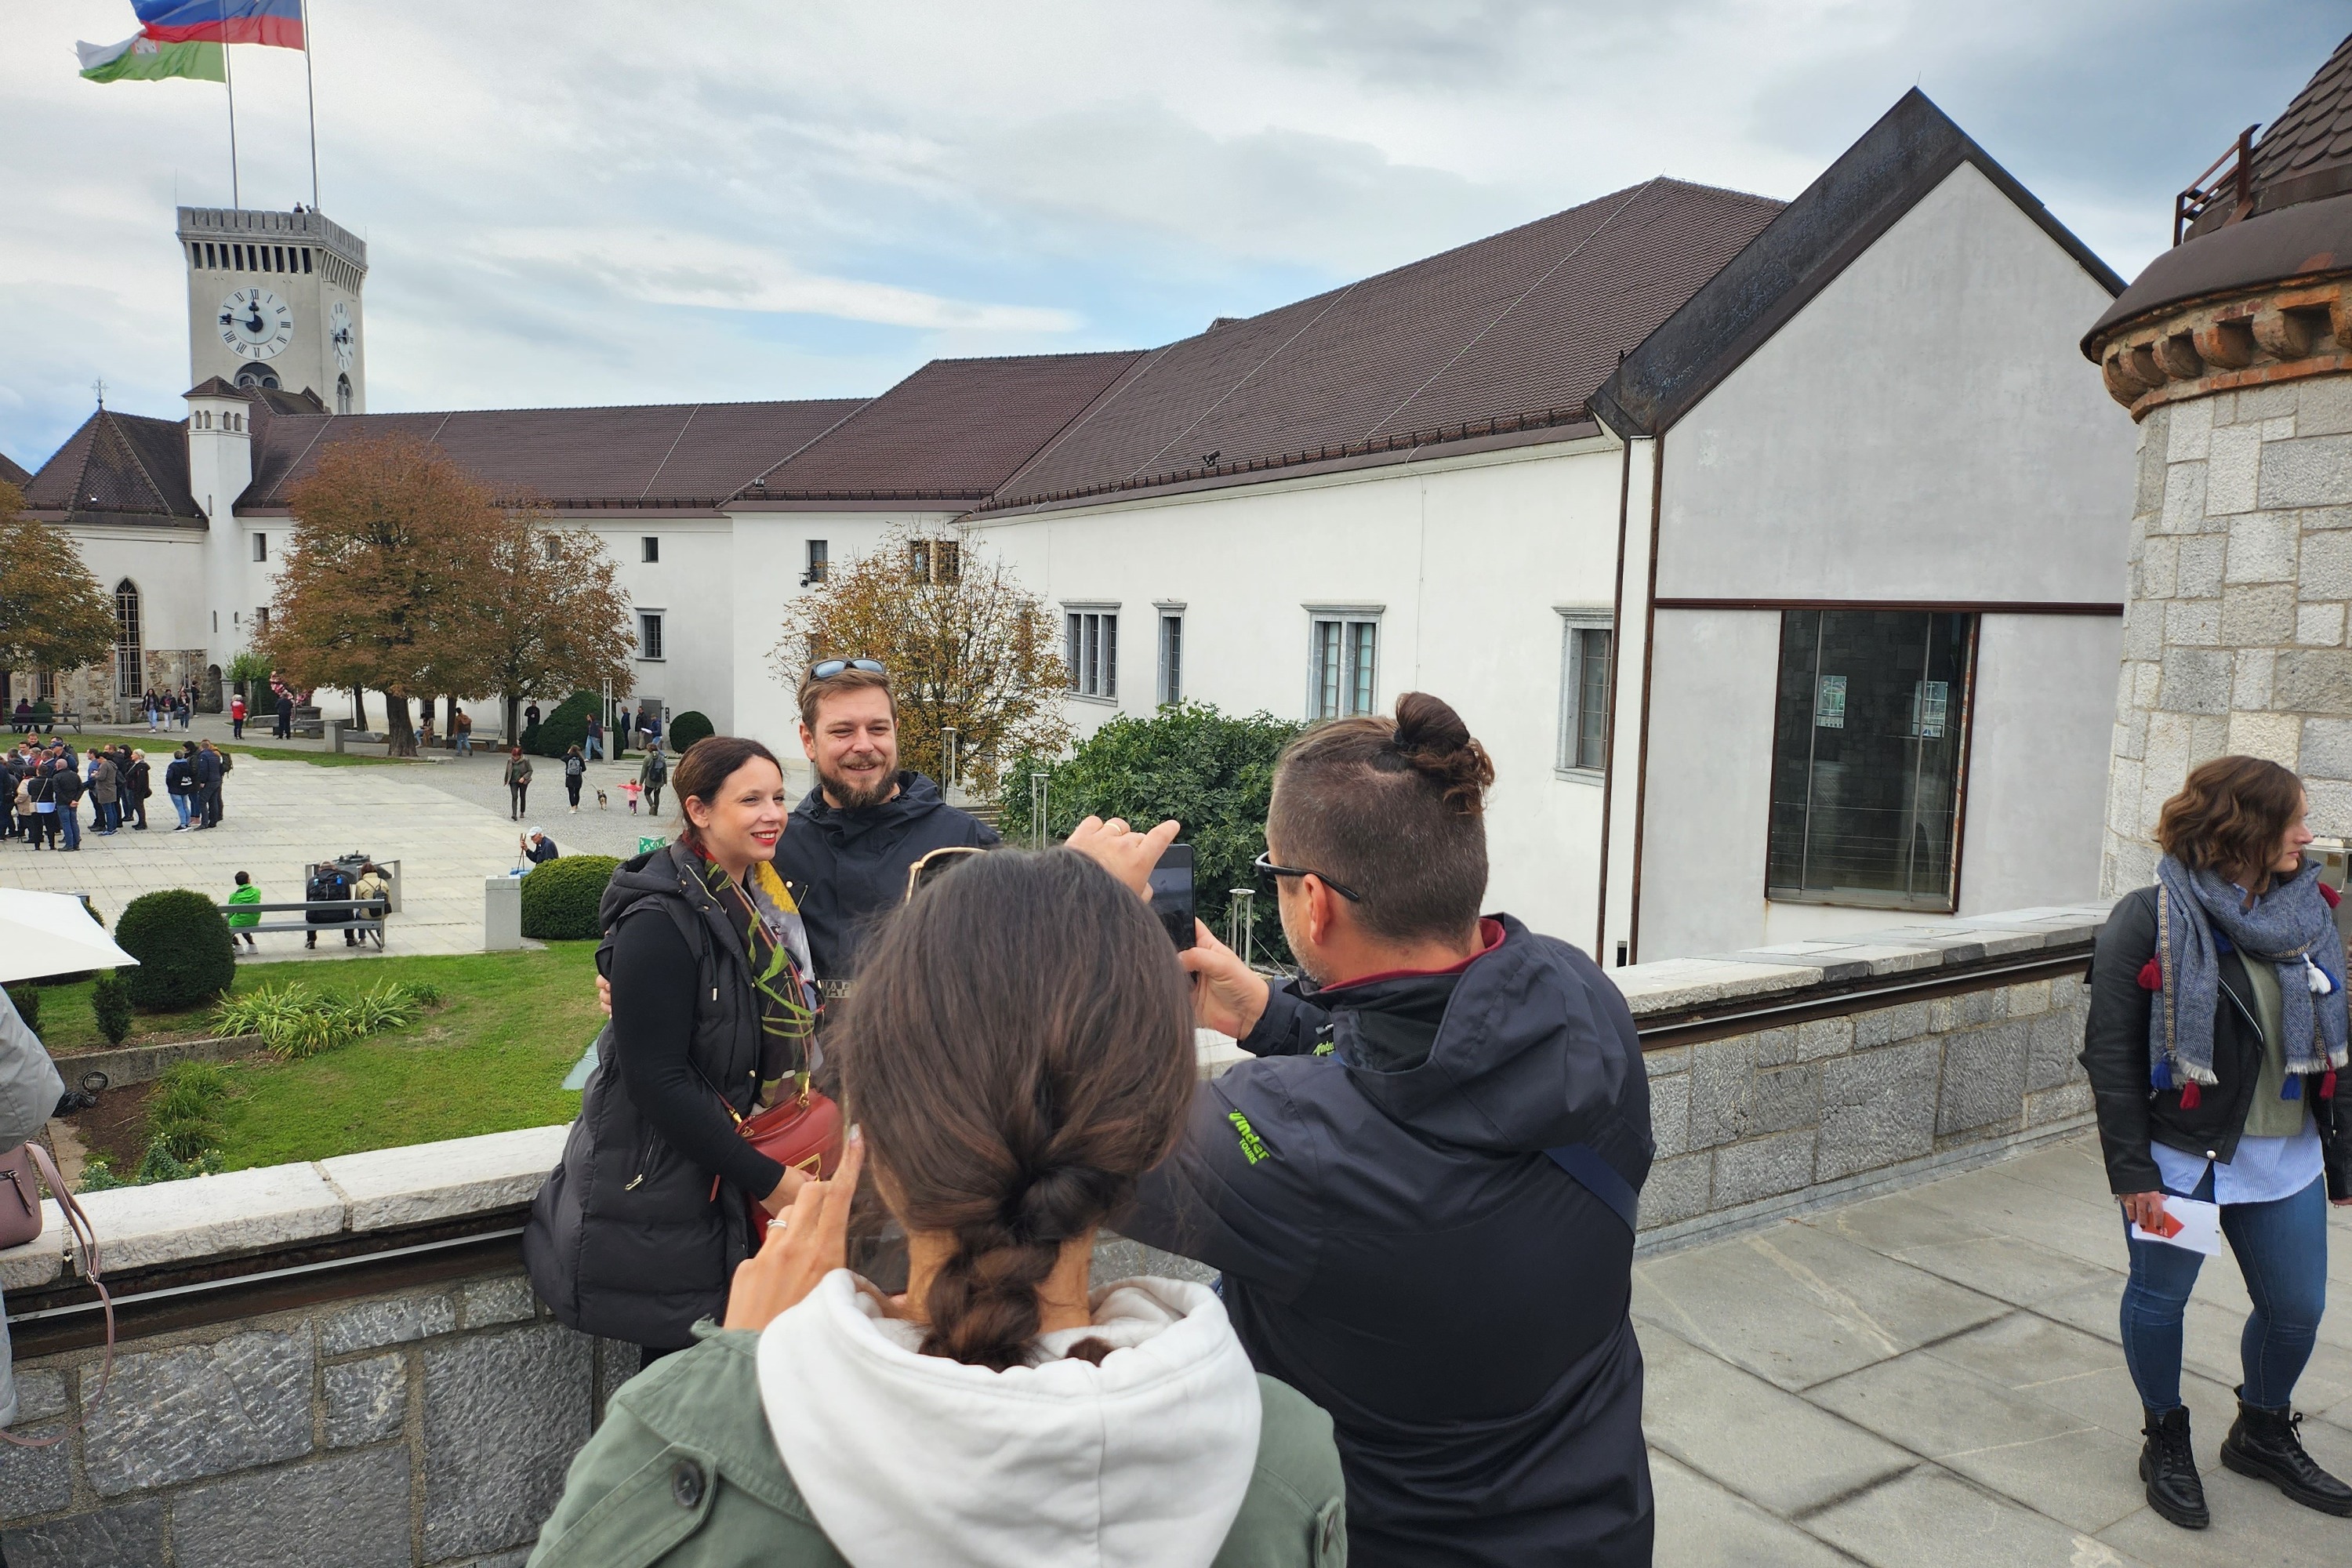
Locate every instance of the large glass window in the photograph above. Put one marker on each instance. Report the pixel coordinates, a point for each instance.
(1171, 658)
(1092, 653)
(1584, 656)
(1345, 654)
(1868, 754)
(129, 664)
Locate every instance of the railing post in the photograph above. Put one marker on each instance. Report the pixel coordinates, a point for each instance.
(1241, 921)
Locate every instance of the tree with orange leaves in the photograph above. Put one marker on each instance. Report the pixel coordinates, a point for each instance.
(550, 617)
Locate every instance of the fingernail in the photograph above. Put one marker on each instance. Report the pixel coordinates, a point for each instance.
(856, 1134)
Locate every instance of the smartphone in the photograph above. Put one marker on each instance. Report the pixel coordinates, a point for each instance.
(1171, 893)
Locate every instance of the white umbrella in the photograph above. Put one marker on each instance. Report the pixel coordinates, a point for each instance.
(51, 933)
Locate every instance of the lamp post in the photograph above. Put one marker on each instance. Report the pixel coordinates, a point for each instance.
(1241, 921)
(949, 736)
(1037, 810)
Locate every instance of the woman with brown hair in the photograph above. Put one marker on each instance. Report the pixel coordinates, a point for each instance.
(2217, 1033)
(1018, 1053)
(635, 1234)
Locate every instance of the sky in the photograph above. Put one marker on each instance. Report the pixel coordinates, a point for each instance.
(603, 203)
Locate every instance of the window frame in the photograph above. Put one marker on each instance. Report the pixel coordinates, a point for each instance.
(659, 621)
(1168, 688)
(1864, 897)
(1093, 665)
(1576, 619)
(1350, 618)
(816, 560)
(260, 546)
(649, 550)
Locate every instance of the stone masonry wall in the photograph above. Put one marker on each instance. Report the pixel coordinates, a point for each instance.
(2234, 630)
(1760, 1121)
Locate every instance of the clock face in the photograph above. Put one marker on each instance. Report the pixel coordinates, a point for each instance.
(255, 324)
(343, 333)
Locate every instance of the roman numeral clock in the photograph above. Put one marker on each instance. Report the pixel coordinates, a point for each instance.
(274, 303)
(255, 324)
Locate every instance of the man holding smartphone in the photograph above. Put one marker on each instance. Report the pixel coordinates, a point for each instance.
(1422, 1195)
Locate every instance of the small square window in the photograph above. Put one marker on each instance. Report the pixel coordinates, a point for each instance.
(649, 633)
(649, 548)
(261, 547)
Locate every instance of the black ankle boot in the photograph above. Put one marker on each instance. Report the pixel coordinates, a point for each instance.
(2169, 1469)
(2263, 1444)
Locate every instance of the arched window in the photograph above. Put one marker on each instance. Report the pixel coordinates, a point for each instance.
(254, 375)
(342, 394)
(129, 668)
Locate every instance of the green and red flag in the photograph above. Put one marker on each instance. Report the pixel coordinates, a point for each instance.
(142, 58)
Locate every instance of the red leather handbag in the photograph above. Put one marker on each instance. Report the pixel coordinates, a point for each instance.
(803, 1133)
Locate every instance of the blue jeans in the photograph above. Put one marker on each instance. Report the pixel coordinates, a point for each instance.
(69, 818)
(180, 805)
(2281, 1251)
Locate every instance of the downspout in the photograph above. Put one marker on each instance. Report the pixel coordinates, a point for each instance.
(1609, 757)
(1648, 643)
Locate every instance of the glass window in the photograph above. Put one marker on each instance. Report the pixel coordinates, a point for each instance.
(1171, 659)
(1870, 743)
(1091, 649)
(816, 567)
(1585, 654)
(649, 548)
(261, 547)
(1345, 654)
(918, 560)
(649, 633)
(130, 674)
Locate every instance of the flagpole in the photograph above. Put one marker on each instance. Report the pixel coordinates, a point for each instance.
(310, 93)
(229, 79)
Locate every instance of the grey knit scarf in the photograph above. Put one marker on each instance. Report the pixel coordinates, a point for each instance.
(2289, 927)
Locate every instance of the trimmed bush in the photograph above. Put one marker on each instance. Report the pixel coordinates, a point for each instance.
(27, 998)
(109, 1003)
(560, 898)
(182, 947)
(565, 728)
(687, 729)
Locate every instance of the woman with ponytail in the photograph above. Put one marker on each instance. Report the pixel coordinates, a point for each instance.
(2214, 1044)
(1017, 1054)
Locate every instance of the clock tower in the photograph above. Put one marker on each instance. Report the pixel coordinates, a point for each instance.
(274, 300)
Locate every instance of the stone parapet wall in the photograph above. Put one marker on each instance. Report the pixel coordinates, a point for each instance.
(2234, 631)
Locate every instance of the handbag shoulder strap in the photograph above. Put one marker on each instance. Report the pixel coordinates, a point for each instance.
(85, 1239)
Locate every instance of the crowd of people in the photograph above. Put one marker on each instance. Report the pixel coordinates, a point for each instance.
(47, 782)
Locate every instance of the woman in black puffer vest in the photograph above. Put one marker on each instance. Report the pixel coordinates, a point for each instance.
(632, 1238)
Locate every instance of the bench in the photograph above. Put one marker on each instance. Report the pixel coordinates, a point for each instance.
(364, 916)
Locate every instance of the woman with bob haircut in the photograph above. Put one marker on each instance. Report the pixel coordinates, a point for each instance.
(1017, 1053)
(2214, 1047)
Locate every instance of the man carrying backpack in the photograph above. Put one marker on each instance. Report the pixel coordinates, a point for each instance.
(328, 885)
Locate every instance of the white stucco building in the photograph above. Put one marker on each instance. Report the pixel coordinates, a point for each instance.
(1774, 551)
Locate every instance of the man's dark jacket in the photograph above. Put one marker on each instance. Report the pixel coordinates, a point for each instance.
(2115, 1056)
(846, 870)
(1397, 1246)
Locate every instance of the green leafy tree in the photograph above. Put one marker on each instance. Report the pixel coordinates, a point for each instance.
(1210, 771)
(54, 613)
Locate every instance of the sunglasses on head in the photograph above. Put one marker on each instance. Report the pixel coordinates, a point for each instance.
(926, 870)
(826, 668)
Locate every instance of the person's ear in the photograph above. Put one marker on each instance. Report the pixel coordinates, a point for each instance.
(1321, 910)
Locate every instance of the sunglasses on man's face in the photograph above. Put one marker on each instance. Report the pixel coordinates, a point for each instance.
(826, 668)
(1268, 871)
(927, 869)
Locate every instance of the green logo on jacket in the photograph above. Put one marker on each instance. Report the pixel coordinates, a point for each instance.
(1253, 1146)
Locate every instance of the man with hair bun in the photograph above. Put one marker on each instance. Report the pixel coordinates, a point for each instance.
(1421, 1192)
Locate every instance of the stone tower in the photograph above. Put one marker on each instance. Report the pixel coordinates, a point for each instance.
(274, 302)
(2233, 352)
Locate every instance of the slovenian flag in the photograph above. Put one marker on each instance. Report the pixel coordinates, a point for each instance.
(275, 22)
(143, 60)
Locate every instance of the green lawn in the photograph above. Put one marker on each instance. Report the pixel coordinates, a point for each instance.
(316, 759)
(490, 1059)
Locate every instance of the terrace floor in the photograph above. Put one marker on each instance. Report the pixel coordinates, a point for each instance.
(1935, 1378)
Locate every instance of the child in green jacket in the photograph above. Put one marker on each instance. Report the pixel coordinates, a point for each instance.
(239, 922)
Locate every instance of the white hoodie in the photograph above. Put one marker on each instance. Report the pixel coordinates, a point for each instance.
(908, 1458)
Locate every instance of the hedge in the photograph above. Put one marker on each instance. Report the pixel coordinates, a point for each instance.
(184, 949)
(687, 729)
(560, 898)
(565, 728)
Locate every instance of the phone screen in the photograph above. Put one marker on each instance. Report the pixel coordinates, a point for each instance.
(1171, 893)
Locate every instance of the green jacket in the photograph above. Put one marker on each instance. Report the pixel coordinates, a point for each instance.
(248, 894)
(683, 1473)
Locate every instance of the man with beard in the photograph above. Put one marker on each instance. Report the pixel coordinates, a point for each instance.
(845, 853)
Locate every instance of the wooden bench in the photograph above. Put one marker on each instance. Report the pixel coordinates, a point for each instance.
(364, 916)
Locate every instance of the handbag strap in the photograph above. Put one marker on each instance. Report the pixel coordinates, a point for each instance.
(85, 1238)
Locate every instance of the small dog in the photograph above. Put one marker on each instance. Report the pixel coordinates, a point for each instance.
(601, 803)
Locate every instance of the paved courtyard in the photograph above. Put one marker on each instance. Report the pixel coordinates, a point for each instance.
(1933, 1379)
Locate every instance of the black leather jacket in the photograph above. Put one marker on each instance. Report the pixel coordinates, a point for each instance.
(2114, 1054)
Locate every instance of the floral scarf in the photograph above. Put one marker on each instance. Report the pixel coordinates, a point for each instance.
(775, 949)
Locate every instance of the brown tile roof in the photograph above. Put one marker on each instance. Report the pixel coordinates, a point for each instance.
(660, 455)
(119, 468)
(1513, 331)
(954, 430)
(14, 472)
(2314, 133)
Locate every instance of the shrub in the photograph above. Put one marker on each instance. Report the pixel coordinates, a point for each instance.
(27, 998)
(183, 948)
(560, 898)
(182, 1113)
(98, 1176)
(1210, 770)
(293, 1022)
(109, 1003)
(687, 729)
(565, 728)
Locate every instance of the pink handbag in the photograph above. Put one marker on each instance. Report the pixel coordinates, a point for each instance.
(20, 1222)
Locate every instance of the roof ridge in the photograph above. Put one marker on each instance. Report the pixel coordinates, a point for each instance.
(691, 411)
(163, 501)
(1575, 250)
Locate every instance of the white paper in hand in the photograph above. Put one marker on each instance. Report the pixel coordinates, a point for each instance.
(2190, 1224)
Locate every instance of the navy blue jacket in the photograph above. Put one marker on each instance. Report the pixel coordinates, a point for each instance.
(1397, 1246)
(846, 870)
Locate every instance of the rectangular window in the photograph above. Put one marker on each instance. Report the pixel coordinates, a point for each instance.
(261, 547)
(1171, 659)
(1345, 654)
(950, 558)
(1869, 748)
(1092, 651)
(261, 620)
(549, 548)
(1586, 648)
(649, 633)
(649, 548)
(816, 562)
